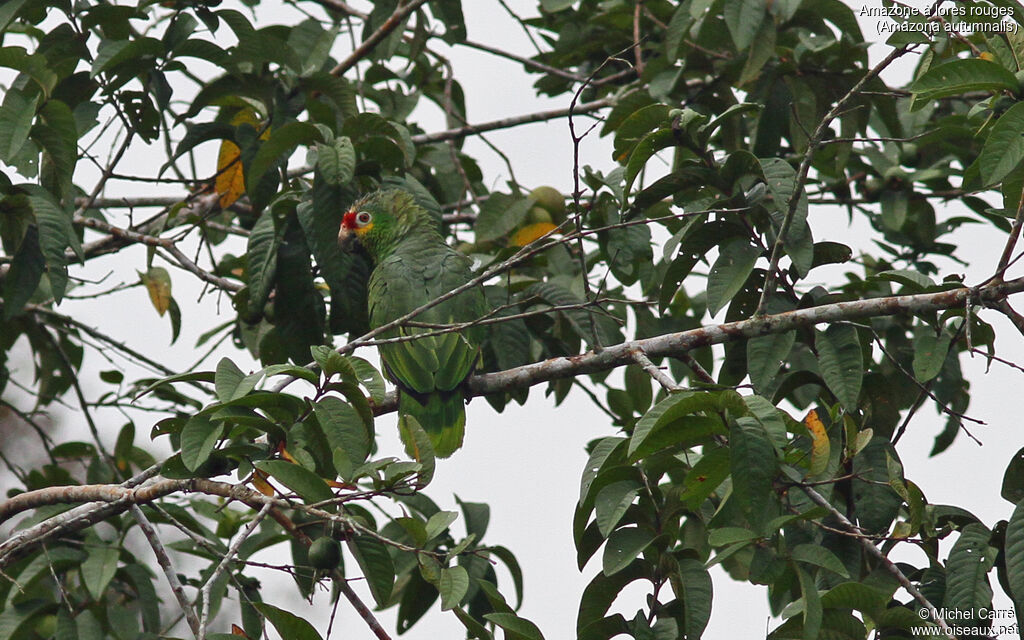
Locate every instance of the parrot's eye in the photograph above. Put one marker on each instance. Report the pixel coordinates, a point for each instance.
(362, 218)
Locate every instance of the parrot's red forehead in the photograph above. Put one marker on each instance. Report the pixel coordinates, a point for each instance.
(348, 221)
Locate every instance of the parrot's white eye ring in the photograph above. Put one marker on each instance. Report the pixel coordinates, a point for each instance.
(362, 218)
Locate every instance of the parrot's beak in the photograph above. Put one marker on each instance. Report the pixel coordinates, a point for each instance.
(347, 240)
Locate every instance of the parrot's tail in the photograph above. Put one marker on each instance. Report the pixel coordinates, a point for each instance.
(442, 416)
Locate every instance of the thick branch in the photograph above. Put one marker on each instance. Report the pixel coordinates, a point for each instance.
(678, 344)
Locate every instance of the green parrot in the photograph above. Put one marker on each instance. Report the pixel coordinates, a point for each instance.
(413, 265)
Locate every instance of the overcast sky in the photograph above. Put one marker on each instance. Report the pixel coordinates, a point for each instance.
(527, 461)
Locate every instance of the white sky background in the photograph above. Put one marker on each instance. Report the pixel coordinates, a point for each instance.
(526, 462)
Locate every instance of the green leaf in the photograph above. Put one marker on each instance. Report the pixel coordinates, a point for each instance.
(337, 161)
(602, 591)
(623, 546)
(293, 370)
(199, 436)
(705, 476)
(376, 564)
(369, 378)
(343, 427)
(841, 362)
(909, 278)
(735, 261)
(1014, 550)
(16, 115)
(417, 445)
(277, 148)
(227, 379)
(743, 17)
(753, 465)
(302, 481)
(894, 204)
(961, 76)
(1013, 479)
(854, 595)
(55, 235)
(99, 569)
(8, 11)
(649, 145)
(765, 355)
(499, 215)
(697, 596)
(333, 363)
(970, 560)
(287, 624)
(512, 564)
(730, 535)
(515, 627)
(929, 352)
(439, 522)
(819, 556)
(1004, 147)
(612, 502)
(453, 585)
(812, 605)
(262, 261)
(477, 516)
(675, 407)
(770, 417)
(555, 5)
(346, 274)
(26, 271)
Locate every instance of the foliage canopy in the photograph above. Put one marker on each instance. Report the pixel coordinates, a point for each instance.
(733, 122)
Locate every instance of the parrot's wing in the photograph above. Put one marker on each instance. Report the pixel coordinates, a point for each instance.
(399, 285)
(395, 289)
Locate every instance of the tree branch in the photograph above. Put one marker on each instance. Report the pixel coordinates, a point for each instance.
(505, 123)
(804, 170)
(165, 563)
(368, 45)
(874, 551)
(677, 344)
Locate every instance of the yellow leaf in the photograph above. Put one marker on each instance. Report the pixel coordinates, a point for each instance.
(287, 456)
(259, 480)
(158, 284)
(230, 179)
(532, 232)
(820, 446)
(237, 631)
(230, 183)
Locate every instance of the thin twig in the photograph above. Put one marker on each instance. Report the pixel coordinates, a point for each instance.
(363, 611)
(393, 22)
(165, 563)
(655, 372)
(805, 167)
(874, 551)
(505, 123)
(205, 594)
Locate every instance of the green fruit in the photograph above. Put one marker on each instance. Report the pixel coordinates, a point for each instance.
(325, 553)
(909, 154)
(894, 173)
(550, 199)
(536, 215)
